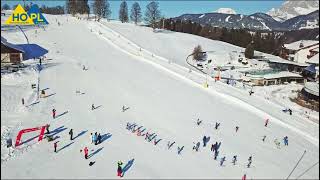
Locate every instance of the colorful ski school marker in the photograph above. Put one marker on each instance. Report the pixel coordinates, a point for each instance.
(148, 136)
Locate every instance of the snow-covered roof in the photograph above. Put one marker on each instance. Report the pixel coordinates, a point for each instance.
(313, 60)
(315, 49)
(277, 59)
(296, 45)
(13, 46)
(276, 75)
(312, 88)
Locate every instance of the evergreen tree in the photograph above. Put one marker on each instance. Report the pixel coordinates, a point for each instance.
(249, 52)
(123, 12)
(5, 7)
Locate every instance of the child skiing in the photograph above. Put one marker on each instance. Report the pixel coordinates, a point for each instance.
(95, 137)
(54, 113)
(249, 161)
(71, 134)
(180, 149)
(204, 139)
(217, 125)
(234, 160)
(196, 147)
(198, 122)
(92, 138)
(264, 138)
(55, 144)
(237, 128)
(266, 122)
(86, 152)
(99, 138)
(285, 140)
(222, 160)
(119, 171)
(216, 153)
(47, 128)
(213, 147)
(92, 107)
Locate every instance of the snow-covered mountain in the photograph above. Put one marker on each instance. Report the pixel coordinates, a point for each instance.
(256, 21)
(225, 11)
(290, 9)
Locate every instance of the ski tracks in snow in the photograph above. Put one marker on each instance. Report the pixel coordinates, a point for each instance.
(183, 73)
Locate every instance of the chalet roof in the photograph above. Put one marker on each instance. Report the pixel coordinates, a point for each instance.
(276, 75)
(9, 45)
(312, 88)
(296, 45)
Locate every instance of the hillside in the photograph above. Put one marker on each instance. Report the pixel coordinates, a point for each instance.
(163, 97)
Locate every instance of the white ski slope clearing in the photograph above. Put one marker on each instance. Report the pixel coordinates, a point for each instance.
(163, 100)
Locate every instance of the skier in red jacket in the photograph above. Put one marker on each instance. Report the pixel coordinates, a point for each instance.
(86, 152)
(244, 177)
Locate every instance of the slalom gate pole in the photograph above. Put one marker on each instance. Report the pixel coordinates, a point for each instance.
(296, 164)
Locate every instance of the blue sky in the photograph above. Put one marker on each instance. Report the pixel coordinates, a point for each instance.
(178, 7)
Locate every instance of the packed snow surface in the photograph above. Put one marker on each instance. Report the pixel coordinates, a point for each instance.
(163, 96)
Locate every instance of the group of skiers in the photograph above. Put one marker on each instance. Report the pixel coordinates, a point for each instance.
(133, 127)
(96, 138)
(287, 110)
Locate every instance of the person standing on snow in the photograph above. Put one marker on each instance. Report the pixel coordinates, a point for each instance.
(249, 161)
(213, 147)
(71, 134)
(266, 123)
(198, 122)
(222, 160)
(54, 113)
(95, 137)
(264, 138)
(244, 177)
(216, 153)
(285, 140)
(92, 107)
(99, 138)
(119, 170)
(86, 152)
(237, 128)
(55, 144)
(91, 137)
(47, 128)
(204, 139)
(196, 147)
(234, 160)
(217, 125)
(22, 101)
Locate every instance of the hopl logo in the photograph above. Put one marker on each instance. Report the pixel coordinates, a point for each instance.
(21, 17)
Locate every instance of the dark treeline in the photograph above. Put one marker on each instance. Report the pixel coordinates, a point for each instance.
(268, 42)
(52, 10)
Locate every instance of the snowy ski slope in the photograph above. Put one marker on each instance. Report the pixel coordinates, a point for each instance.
(163, 97)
